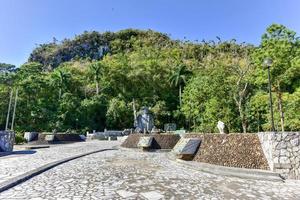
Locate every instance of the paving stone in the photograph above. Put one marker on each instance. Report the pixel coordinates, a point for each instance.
(127, 174)
(20, 163)
(126, 194)
(153, 195)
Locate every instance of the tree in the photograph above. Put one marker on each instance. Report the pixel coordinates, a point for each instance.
(119, 114)
(87, 83)
(96, 69)
(60, 79)
(207, 99)
(241, 69)
(282, 46)
(179, 78)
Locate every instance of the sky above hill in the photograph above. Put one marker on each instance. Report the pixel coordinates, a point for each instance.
(26, 23)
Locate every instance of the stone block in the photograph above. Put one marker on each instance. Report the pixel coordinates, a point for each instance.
(90, 136)
(281, 145)
(285, 166)
(283, 135)
(284, 152)
(295, 142)
(145, 142)
(182, 133)
(49, 138)
(7, 140)
(276, 160)
(83, 137)
(30, 136)
(186, 148)
(122, 138)
(284, 159)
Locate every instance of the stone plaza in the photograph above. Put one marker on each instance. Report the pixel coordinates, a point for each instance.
(127, 174)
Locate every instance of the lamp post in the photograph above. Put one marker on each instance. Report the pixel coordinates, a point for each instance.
(268, 63)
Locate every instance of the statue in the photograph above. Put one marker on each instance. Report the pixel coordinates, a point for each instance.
(144, 121)
(222, 128)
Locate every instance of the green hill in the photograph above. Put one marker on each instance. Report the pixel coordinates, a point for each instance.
(91, 81)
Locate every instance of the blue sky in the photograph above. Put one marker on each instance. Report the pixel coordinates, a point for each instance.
(26, 23)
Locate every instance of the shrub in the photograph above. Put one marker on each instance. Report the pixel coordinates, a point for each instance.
(19, 139)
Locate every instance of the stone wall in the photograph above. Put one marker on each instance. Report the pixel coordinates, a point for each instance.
(160, 141)
(7, 140)
(282, 150)
(231, 150)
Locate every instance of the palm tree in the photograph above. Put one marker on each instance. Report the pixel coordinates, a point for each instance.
(96, 70)
(60, 80)
(179, 78)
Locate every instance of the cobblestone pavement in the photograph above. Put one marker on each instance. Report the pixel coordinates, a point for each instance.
(127, 174)
(24, 161)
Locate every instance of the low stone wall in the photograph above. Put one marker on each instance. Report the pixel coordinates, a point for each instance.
(7, 140)
(57, 138)
(160, 141)
(107, 135)
(282, 150)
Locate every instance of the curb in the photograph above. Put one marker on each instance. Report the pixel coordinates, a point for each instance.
(244, 173)
(150, 150)
(28, 175)
(36, 147)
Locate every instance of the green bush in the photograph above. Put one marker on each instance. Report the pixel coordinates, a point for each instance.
(19, 139)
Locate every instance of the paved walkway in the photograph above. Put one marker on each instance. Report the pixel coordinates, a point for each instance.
(27, 160)
(127, 174)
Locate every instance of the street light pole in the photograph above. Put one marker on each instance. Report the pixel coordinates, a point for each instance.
(271, 102)
(8, 112)
(268, 63)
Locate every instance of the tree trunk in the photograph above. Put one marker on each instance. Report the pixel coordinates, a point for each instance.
(242, 116)
(280, 108)
(97, 88)
(239, 102)
(180, 95)
(258, 121)
(59, 93)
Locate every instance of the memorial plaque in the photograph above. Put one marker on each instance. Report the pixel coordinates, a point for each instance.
(145, 142)
(186, 148)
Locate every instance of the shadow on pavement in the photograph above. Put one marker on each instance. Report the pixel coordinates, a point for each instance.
(21, 152)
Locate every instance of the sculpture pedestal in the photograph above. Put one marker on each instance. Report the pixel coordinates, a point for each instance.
(7, 140)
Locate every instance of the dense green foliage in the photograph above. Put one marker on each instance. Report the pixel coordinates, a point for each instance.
(91, 81)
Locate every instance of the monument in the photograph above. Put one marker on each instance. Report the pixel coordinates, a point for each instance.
(7, 140)
(222, 128)
(144, 122)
